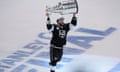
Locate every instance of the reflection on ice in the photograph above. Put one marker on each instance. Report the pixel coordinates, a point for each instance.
(90, 63)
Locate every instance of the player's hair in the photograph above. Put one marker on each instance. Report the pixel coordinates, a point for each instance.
(59, 19)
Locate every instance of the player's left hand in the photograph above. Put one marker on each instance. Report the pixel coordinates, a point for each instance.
(74, 14)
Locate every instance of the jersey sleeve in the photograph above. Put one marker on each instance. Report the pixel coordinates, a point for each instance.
(73, 23)
(50, 26)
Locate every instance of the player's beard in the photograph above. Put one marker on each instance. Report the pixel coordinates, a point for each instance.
(61, 24)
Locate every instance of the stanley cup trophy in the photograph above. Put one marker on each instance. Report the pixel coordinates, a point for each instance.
(64, 7)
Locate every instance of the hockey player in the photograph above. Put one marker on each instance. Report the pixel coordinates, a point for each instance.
(59, 34)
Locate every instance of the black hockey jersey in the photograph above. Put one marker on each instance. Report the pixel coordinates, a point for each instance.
(59, 33)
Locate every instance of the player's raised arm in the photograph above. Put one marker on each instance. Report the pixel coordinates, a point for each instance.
(49, 25)
(73, 22)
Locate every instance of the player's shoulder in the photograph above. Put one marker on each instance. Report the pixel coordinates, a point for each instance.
(67, 24)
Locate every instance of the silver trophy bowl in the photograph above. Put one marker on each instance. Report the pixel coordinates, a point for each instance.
(64, 7)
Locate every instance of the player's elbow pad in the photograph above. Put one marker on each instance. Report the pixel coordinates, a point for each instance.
(74, 22)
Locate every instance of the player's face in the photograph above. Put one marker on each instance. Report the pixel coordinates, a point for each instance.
(61, 22)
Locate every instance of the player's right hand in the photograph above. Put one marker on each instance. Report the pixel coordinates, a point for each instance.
(47, 14)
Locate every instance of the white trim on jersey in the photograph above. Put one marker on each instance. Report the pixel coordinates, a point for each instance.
(71, 26)
(50, 30)
(48, 22)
